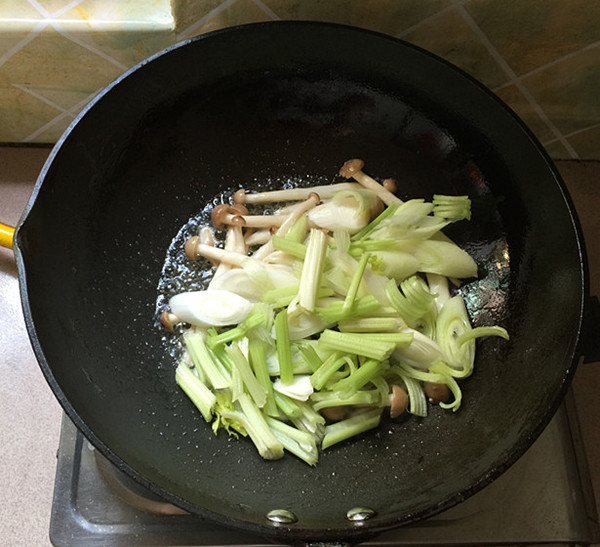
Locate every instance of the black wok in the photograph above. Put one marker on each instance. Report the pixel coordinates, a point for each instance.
(279, 101)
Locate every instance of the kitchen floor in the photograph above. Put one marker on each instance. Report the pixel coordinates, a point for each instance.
(30, 416)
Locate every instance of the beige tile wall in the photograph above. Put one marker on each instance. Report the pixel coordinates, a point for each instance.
(542, 57)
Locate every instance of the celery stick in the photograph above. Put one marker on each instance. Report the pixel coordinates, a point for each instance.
(327, 399)
(386, 213)
(312, 269)
(452, 207)
(479, 332)
(258, 361)
(254, 422)
(331, 365)
(310, 421)
(284, 352)
(335, 312)
(241, 364)
(350, 342)
(201, 356)
(372, 324)
(400, 339)
(237, 332)
(202, 397)
(355, 283)
(297, 232)
(358, 379)
(289, 246)
(344, 429)
(310, 356)
(287, 405)
(299, 443)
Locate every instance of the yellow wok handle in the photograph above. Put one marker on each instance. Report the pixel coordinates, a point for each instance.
(6, 235)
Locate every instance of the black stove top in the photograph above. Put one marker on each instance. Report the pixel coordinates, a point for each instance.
(544, 499)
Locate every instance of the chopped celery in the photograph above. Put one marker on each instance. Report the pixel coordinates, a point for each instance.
(258, 361)
(298, 230)
(452, 207)
(327, 399)
(355, 283)
(351, 342)
(372, 324)
(241, 364)
(312, 269)
(289, 246)
(335, 311)
(236, 333)
(324, 373)
(202, 397)
(369, 228)
(201, 356)
(350, 427)
(310, 356)
(299, 443)
(359, 378)
(284, 353)
(255, 424)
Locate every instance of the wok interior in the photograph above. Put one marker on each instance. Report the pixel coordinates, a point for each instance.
(216, 114)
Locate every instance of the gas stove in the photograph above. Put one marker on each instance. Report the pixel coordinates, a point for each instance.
(545, 498)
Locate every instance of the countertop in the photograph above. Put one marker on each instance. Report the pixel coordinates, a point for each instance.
(30, 416)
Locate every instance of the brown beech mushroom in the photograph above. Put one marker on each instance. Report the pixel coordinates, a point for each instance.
(194, 250)
(293, 194)
(205, 236)
(295, 213)
(398, 401)
(168, 320)
(437, 392)
(334, 413)
(353, 169)
(390, 185)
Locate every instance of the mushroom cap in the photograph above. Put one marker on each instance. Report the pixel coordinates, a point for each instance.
(218, 214)
(437, 392)
(398, 401)
(165, 320)
(351, 167)
(240, 196)
(191, 247)
(390, 185)
(239, 209)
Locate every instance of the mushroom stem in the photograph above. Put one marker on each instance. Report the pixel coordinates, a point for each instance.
(195, 250)
(259, 237)
(293, 194)
(234, 242)
(206, 237)
(353, 169)
(301, 208)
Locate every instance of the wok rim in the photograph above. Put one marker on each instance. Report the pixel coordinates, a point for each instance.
(368, 528)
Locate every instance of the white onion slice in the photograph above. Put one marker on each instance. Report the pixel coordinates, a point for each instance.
(211, 308)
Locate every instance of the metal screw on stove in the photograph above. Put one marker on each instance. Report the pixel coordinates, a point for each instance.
(281, 516)
(360, 514)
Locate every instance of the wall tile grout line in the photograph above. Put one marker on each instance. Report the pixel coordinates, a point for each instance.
(552, 63)
(427, 19)
(261, 5)
(514, 79)
(38, 96)
(191, 29)
(72, 112)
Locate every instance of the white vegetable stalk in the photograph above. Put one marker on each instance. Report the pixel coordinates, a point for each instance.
(211, 308)
(313, 267)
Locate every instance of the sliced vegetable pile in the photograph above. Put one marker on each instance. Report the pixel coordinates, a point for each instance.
(322, 316)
